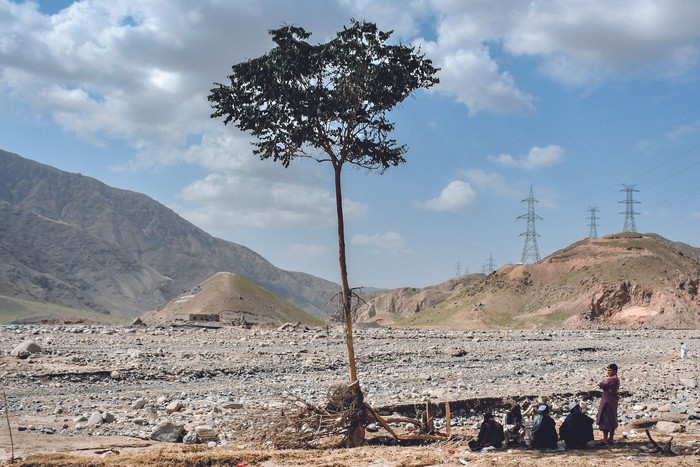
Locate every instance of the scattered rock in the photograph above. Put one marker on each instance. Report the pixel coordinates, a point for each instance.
(95, 419)
(191, 438)
(174, 406)
(25, 349)
(168, 432)
(669, 427)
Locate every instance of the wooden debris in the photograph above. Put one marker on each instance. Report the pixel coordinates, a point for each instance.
(426, 424)
(665, 450)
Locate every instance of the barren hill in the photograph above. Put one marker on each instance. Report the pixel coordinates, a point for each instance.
(388, 307)
(625, 280)
(73, 241)
(231, 299)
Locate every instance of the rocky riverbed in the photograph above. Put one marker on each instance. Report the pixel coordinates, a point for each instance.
(215, 387)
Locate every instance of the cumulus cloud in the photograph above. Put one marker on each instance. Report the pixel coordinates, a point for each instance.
(492, 182)
(582, 43)
(390, 242)
(456, 196)
(234, 200)
(536, 158)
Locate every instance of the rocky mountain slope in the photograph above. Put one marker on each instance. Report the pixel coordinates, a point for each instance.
(72, 240)
(228, 298)
(625, 281)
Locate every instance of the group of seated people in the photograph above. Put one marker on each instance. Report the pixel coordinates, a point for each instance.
(535, 429)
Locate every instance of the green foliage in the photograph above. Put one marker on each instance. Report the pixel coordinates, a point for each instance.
(326, 101)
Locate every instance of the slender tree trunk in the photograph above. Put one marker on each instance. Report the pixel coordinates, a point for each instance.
(355, 434)
(347, 298)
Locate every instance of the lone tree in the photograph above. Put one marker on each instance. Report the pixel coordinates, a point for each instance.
(327, 102)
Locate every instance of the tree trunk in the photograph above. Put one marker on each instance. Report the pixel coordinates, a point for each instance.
(347, 298)
(355, 435)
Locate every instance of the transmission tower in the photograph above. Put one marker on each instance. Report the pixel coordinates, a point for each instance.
(629, 213)
(593, 233)
(530, 250)
(459, 270)
(489, 266)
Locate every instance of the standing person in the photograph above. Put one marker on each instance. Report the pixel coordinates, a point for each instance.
(684, 352)
(577, 428)
(607, 410)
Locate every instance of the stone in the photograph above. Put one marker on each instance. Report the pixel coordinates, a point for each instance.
(669, 427)
(206, 433)
(191, 438)
(231, 405)
(168, 432)
(174, 406)
(26, 348)
(115, 375)
(108, 417)
(138, 404)
(95, 419)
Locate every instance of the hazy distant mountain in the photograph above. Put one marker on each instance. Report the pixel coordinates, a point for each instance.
(72, 240)
(627, 280)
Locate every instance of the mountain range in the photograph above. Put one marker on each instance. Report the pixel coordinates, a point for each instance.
(73, 242)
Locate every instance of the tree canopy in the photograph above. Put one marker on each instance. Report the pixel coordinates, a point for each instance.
(326, 101)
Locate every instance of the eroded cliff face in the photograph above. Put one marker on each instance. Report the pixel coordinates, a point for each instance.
(611, 299)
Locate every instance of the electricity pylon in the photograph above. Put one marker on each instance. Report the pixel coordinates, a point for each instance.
(489, 266)
(530, 249)
(593, 232)
(629, 213)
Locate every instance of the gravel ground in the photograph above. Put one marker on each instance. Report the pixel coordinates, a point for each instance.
(91, 389)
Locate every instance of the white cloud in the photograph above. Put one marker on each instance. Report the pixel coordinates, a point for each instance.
(581, 43)
(305, 251)
(492, 182)
(536, 158)
(684, 131)
(473, 78)
(456, 196)
(390, 242)
(235, 200)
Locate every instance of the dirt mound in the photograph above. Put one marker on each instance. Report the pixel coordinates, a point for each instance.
(625, 280)
(227, 298)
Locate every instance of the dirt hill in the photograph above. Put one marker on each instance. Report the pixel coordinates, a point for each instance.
(229, 299)
(625, 281)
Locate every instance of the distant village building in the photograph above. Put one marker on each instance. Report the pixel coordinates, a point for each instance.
(203, 317)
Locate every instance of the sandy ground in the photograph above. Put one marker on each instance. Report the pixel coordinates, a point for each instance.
(38, 449)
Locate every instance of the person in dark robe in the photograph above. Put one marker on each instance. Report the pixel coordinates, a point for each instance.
(607, 410)
(577, 428)
(490, 434)
(544, 430)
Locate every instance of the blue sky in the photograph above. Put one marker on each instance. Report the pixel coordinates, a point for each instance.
(574, 98)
